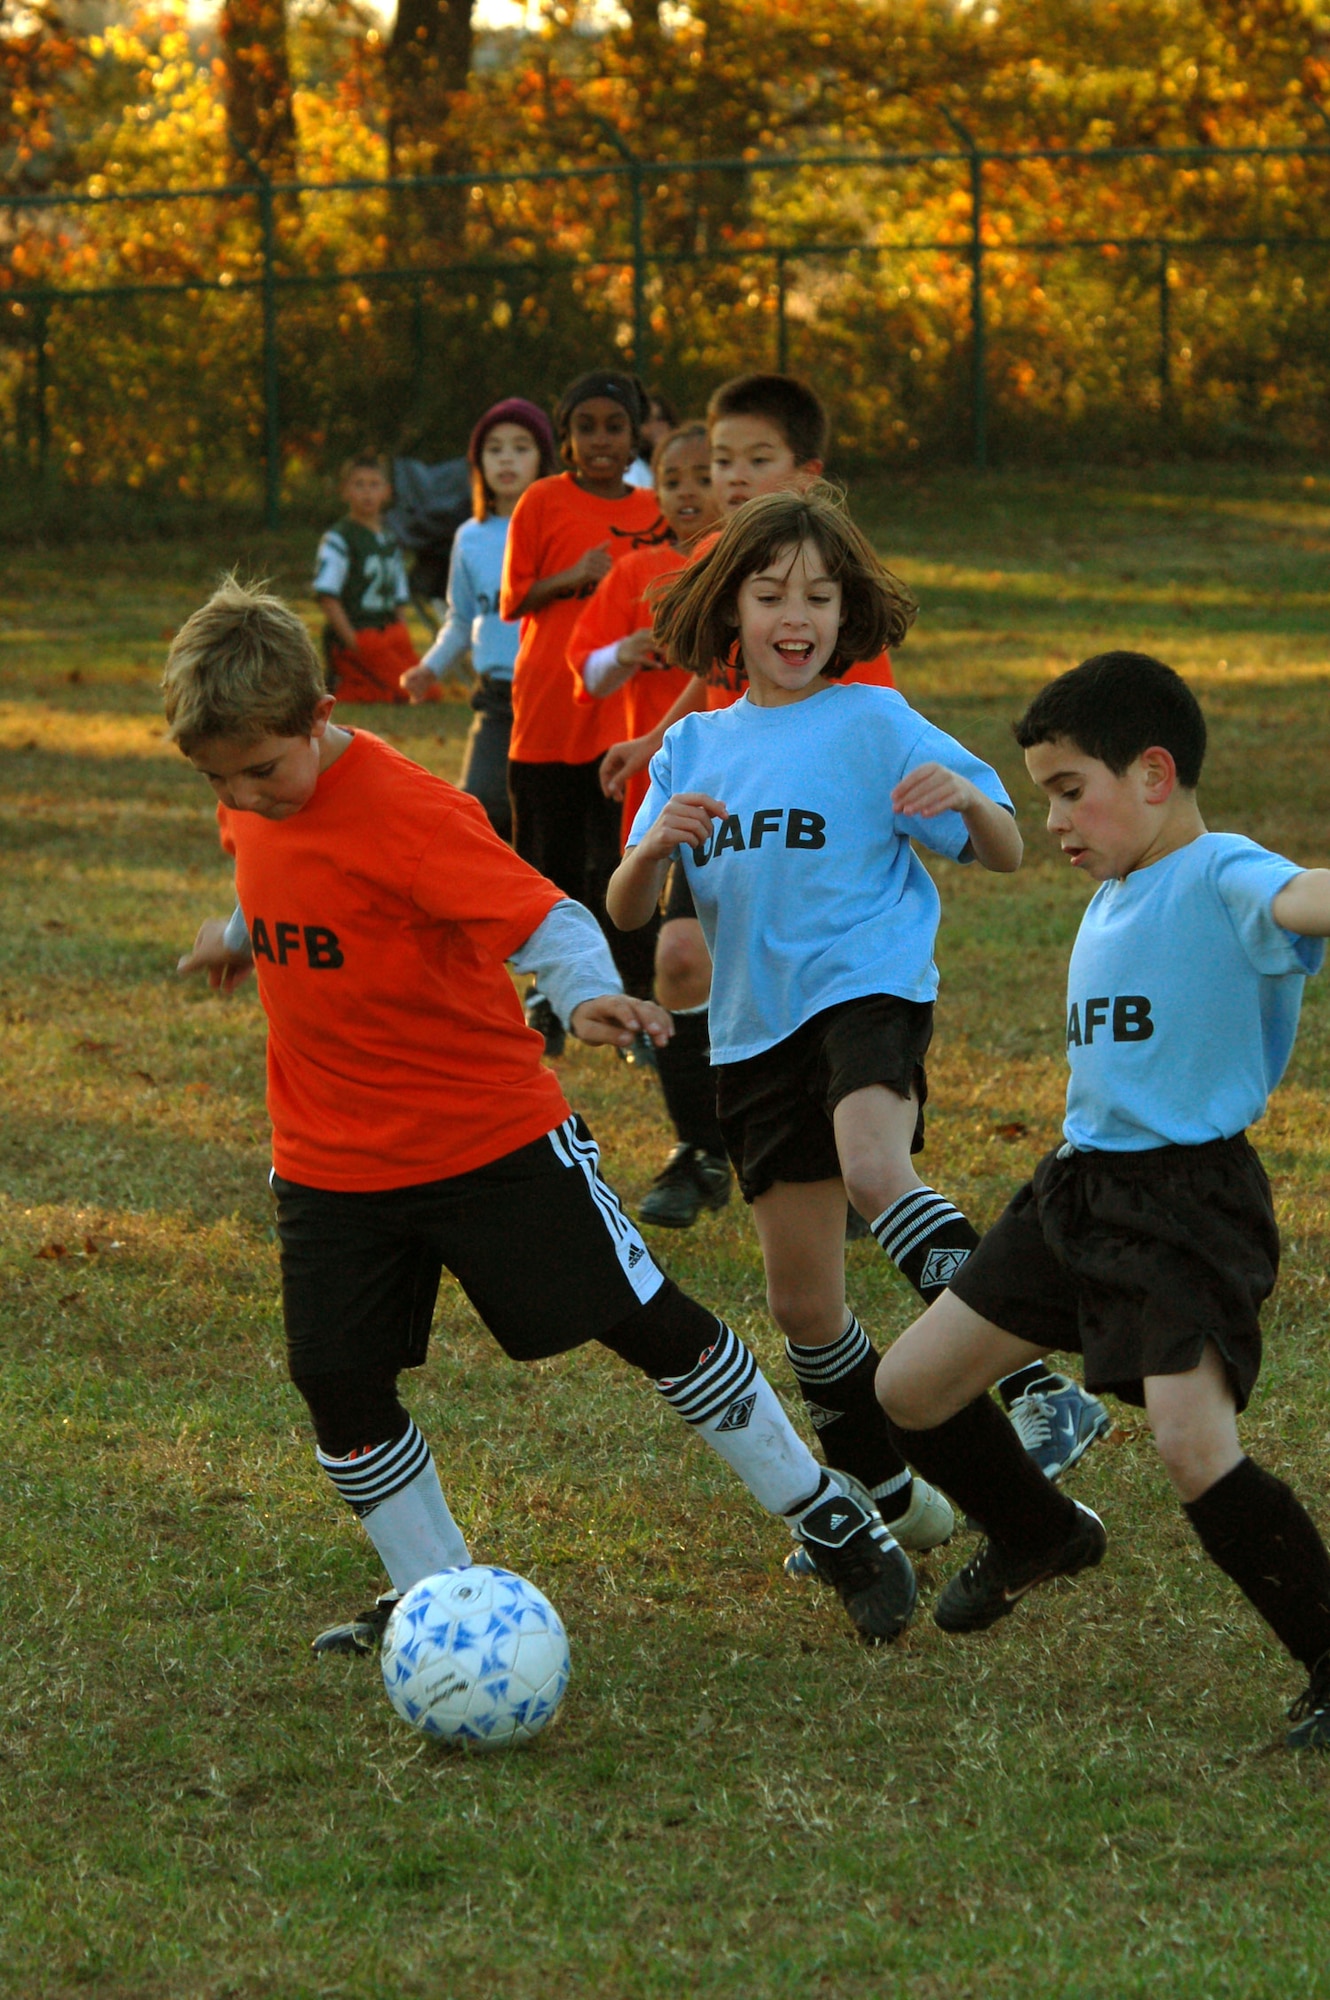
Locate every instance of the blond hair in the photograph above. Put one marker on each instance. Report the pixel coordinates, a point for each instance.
(696, 613)
(243, 666)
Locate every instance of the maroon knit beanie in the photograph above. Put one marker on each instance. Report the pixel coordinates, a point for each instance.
(515, 410)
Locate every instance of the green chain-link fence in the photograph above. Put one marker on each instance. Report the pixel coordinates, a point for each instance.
(238, 340)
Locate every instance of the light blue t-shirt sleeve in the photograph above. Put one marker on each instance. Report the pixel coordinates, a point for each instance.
(659, 793)
(454, 634)
(1247, 880)
(947, 834)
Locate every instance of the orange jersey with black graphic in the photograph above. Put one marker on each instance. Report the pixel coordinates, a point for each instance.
(381, 916)
(554, 523)
(620, 607)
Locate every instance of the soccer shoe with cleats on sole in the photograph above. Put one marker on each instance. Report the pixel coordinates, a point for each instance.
(995, 1579)
(359, 1635)
(861, 1560)
(1310, 1713)
(1058, 1424)
(926, 1523)
(690, 1181)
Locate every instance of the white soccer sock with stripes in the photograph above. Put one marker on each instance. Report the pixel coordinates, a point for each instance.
(732, 1406)
(927, 1239)
(395, 1490)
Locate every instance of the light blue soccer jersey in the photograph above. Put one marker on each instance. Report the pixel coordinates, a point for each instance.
(809, 893)
(1183, 996)
(475, 569)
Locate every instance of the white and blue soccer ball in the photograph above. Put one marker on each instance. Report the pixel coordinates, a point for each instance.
(476, 1656)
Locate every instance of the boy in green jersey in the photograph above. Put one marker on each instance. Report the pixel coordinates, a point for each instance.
(360, 582)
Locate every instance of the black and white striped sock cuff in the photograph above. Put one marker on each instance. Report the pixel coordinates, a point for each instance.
(366, 1482)
(725, 1371)
(912, 1220)
(819, 1365)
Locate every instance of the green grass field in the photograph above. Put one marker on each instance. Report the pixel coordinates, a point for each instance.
(737, 1800)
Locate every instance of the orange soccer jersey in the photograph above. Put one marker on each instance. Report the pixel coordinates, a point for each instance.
(619, 607)
(554, 523)
(381, 916)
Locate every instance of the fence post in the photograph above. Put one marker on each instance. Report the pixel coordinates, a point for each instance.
(417, 344)
(782, 330)
(978, 361)
(42, 384)
(1165, 335)
(272, 431)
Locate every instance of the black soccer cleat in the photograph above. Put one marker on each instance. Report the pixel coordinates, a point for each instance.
(1310, 1713)
(867, 1568)
(995, 1579)
(359, 1635)
(690, 1181)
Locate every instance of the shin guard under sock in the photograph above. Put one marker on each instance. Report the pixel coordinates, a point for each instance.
(979, 1462)
(1257, 1531)
(733, 1408)
(395, 1490)
(837, 1384)
(927, 1239)
(688, 1082)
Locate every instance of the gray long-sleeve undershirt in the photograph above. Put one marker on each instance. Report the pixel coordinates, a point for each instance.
(567, 954)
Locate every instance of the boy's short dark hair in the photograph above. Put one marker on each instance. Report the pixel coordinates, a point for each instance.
(365, 461)
(792, 406)
(1114, 707)
(695, 614)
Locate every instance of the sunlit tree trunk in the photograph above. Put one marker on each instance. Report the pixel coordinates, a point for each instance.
(260, 122)
(428, 61)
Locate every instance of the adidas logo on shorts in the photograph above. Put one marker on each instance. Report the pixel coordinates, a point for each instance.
(635, 1255)
(736, 1417)
(941, 1266)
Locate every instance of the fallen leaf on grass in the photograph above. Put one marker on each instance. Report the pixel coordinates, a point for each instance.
(69, 1298)
(146, 1075)
(198, 1090)
(52, 1251)
(1015, 1130)
(87, 1048)
(49, 923)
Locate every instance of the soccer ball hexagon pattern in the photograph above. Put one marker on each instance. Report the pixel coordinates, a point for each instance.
(476, 1656)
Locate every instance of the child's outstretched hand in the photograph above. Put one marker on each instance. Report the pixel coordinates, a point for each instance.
(418, 684)
(685, 822)
(932, 789)
(623, 761)
(638, 650)
(617, 1018)
(590, 568)
(211, 954)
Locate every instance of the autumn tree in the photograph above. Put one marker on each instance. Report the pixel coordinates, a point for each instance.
(260, 120)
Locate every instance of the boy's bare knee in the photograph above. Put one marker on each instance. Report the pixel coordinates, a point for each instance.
(806, 1316)
(903, 1395)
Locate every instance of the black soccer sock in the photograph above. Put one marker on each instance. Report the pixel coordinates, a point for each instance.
(851, 1426)
(1259, 1533)
(978, 1460)
(689, 1086)
(927, 1239)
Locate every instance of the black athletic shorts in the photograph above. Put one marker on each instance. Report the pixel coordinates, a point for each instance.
(677, 900)
(537, 1241)
(1135, 1260)
(775, 1109)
